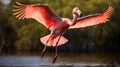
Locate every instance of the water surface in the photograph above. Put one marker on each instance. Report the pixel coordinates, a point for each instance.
(64, 60)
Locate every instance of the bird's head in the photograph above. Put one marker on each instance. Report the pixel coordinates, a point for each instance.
(76, 10)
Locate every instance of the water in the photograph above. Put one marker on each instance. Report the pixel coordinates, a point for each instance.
(64, 60)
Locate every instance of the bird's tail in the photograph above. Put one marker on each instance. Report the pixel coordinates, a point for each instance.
(52, 41)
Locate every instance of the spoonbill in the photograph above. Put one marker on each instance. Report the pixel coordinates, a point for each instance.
(43, 14)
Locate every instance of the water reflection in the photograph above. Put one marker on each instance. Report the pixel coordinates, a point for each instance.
(64, 60)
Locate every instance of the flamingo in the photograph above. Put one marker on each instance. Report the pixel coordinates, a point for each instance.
(43, 14)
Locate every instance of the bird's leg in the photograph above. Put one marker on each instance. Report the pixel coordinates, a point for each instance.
(56, 53)
(44, 49)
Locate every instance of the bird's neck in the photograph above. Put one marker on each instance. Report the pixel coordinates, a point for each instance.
(74, 19)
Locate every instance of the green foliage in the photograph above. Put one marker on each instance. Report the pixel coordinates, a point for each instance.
(25, 34)
(29, 35)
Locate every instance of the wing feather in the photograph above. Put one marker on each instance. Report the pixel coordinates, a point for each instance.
(93, 19)
(42, 13)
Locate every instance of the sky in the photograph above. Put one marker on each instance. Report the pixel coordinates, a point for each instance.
(5, 1)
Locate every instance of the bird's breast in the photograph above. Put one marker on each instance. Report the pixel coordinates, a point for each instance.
(60, 28)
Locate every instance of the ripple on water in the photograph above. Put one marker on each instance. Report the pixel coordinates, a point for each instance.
(36, 61)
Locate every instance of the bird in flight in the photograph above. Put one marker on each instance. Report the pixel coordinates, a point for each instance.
(43, 14)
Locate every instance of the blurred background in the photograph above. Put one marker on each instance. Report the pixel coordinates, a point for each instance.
(24, 35)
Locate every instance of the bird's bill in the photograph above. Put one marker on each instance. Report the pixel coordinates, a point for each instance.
(79, 13)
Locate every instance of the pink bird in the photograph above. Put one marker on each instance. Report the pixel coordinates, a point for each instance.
(43, 14)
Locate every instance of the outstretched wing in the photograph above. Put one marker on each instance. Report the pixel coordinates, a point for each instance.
(93, 19)
(41, 12)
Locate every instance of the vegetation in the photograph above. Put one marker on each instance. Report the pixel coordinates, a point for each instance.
(24, 34)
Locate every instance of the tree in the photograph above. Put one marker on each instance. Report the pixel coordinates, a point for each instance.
(25, 34)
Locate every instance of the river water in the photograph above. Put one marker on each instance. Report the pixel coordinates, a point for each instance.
(64, 60)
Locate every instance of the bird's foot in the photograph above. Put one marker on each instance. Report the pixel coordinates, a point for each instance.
(54, 59)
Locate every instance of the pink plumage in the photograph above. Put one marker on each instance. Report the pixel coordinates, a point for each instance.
(43, 14)
(93, 19)
(53, 41)
(40, 12)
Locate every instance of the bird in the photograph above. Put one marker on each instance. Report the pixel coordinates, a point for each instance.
(57, 25)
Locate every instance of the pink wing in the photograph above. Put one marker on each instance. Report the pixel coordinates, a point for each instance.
(93, 19)
(42, 13)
